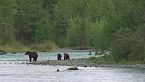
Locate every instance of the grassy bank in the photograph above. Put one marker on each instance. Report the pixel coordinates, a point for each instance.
(17, 46)
(109, 60)
(14, 47)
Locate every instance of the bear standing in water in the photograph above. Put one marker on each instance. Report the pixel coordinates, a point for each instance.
(59, 56)
(33, 55)
(66, 56)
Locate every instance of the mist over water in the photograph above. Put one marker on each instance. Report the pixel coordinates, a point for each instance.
(13, 68)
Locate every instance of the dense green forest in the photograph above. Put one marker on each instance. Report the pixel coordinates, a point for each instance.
(116, 25)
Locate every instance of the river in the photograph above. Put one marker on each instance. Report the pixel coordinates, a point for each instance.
(13, 68)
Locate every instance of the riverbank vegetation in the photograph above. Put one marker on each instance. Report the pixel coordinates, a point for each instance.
(115, 25)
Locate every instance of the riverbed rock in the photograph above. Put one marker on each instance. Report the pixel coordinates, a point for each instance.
(57, 70)
(72, 68)
(2, 52)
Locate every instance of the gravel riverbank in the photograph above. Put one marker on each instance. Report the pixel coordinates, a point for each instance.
(85, 62)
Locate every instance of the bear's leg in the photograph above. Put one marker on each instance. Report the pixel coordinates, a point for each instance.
(30, 59)
(35, 59)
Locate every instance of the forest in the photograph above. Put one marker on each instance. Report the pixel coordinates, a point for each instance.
(115, 25)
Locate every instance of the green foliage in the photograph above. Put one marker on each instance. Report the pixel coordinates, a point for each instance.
(76, 32)
(97, 34)
(29, 12)
(44, 30)
(116, 25)
(124, 43)
(7, 12)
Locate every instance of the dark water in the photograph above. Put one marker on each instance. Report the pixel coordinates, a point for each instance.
(14, 69)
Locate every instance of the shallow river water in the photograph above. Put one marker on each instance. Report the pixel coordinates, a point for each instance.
(13, 68)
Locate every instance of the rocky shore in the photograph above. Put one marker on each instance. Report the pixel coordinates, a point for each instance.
(85, 62)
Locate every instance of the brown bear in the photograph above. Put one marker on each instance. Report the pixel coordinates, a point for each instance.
(59, 56)
(66, 56)
(33, 55)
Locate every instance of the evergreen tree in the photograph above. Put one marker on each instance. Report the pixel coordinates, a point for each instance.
(7, 12)
(29, 12)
